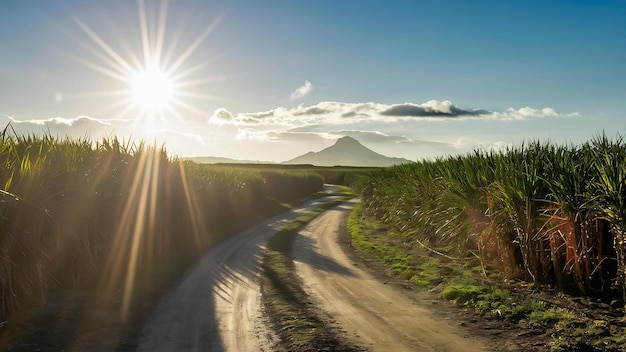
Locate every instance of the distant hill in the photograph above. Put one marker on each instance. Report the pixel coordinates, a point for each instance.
(347, 151)
(220, 160)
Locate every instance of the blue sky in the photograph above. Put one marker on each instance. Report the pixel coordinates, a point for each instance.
(269, 80)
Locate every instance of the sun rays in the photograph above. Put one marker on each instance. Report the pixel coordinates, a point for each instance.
(157, 81)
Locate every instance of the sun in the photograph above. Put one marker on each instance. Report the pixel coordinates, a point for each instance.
(152, 90)
(157, 78)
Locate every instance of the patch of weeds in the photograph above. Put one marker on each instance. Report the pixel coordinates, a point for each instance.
(572, 331)
(544, 316)
(562, 344)
(464, 291)
(433, 271)
(385, 248)
(496, 302)
(416, 280)
(430, 273)
(597, 329)
(592, 335)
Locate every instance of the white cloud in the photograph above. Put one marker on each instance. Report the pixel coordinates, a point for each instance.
(435, 105)
(301, 91)
(221, 116)
(527, 112)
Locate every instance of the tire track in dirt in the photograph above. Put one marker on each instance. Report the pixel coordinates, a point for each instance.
(374, 315)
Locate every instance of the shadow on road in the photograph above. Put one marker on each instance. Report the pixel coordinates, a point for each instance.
(188, 318)
(224, 276)
(309, 255)
(215, 306)
(185, 319)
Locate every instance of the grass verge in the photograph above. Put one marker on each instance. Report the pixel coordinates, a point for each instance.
(295, 319)
(555, 321)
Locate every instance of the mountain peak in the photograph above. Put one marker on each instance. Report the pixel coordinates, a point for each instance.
(347, 139)
(346, 151)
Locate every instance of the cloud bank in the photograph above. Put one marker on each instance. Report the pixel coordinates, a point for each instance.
(334, 113)
(409, 130)
(66, 121)
(387, 127)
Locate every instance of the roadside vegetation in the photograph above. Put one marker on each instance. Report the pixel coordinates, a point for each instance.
(539, 318)
(92, 231)
(533, 235)
(351, 176)
(296, 321)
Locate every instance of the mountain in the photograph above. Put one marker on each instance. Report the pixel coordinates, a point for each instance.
(347, 151)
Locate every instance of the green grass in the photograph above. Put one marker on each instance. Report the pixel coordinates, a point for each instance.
(373, 240)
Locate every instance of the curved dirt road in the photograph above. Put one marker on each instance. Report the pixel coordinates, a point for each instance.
(374, 315)
(217, 305)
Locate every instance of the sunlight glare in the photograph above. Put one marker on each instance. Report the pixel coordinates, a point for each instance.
(157, 79)
(152, 90)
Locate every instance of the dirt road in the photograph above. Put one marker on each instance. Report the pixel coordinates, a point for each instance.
(217, 305)
(374, 315)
